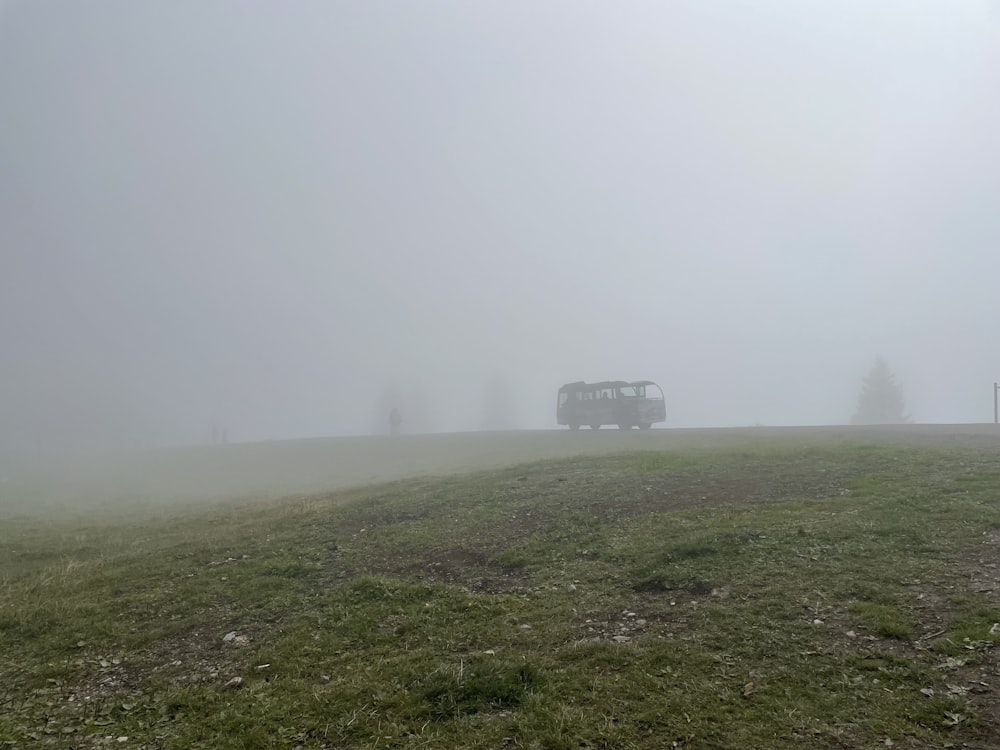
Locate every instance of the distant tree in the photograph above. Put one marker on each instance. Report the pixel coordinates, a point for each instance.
(499, 412)
(419, 409)
(388, 399)
(881, 399)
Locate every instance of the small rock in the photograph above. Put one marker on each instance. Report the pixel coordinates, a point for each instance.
(621, 638)
(817, 621)
(229, 637)
(571, 588)
(526, 626)
(324, 678)
(122, 739)
(851, 634)
(929, 692)
(234, 683)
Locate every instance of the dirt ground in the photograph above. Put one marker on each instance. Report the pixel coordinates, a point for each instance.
(277, 469)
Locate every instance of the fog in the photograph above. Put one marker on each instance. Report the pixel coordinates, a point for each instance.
(282, 219)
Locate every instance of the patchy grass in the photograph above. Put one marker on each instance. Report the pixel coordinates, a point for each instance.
(760, 596)
(884, 620)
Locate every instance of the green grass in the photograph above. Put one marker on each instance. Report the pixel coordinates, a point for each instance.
(884, 620)
(762, 596)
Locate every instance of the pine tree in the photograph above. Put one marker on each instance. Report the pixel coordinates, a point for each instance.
(881, 399)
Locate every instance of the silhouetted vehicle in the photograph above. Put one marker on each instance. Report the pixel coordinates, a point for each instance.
(638, 404)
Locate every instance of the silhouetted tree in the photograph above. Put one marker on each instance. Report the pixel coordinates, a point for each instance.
(499, 412)
(390, 398)
(881, 399)
(419, 409)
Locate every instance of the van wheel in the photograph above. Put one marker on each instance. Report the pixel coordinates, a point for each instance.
(595, 427)
(623, 426)
(574, 426)
(645, 425)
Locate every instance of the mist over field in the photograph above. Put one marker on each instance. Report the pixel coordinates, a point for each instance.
(280, 220)
(296, 302)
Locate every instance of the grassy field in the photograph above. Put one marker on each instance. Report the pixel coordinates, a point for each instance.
(759, 595)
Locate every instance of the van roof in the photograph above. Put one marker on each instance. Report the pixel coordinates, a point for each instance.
(581, 385)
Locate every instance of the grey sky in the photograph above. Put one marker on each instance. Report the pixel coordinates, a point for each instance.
(264, 214)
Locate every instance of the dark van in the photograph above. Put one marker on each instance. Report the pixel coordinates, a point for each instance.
(616, 402)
